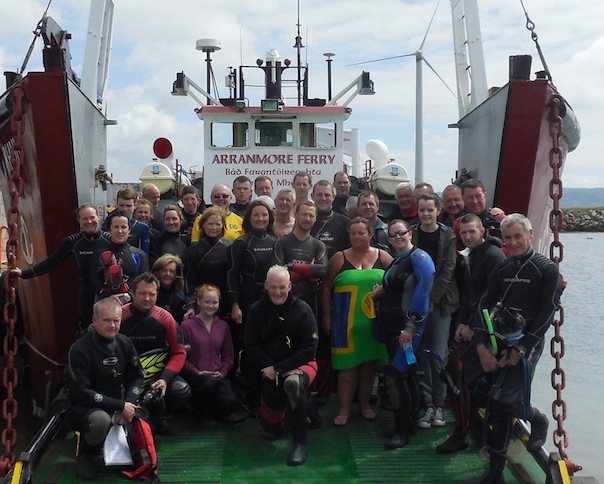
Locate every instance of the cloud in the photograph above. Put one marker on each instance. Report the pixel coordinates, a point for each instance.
(154, 40)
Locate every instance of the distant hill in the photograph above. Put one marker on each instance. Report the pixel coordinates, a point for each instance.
(582, 198)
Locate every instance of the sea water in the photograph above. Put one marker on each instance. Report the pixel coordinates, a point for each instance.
(583, 363)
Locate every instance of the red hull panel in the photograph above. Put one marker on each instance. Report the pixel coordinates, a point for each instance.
(49, 303)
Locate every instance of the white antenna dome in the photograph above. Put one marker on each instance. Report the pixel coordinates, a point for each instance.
(378, 151)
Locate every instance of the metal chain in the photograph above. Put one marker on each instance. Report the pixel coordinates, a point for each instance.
(10, 406)
(556, 254)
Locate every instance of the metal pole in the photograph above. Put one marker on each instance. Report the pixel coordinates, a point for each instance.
(329, 56)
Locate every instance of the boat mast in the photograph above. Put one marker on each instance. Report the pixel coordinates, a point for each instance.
(298, 46)
(97, 55)
(469, 57)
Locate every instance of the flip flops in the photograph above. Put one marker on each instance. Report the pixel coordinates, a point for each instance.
(368, 414)
(341, 420)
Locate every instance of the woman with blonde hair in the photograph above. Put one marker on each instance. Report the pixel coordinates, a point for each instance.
(171, 296)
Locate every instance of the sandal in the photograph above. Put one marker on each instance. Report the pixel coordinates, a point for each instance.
(341, 420)
(368, 414)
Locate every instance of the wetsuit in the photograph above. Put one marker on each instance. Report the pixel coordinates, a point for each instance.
(173, 301)
(530, 286)
(82, 246)
(284, 337)
(379, 238)
(463, 362)
(206, 262)
(308, 259)
(154, 333)
(186, 228)
(101, 376)
(250, 257)
(339, 205)
(332, 229)
(166, 243)
(132, 260)
(407, 283)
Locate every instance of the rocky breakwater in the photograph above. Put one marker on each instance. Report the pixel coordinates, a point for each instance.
(584, 219)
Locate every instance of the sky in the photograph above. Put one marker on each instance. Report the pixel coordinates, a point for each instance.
(152, 40)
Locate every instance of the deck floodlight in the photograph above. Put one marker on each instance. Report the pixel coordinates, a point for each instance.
(366, 85)
(269, 105)
(240, 104)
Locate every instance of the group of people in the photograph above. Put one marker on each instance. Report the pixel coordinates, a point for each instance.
(301, 292)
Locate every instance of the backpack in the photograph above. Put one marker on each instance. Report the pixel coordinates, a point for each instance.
(142, 447)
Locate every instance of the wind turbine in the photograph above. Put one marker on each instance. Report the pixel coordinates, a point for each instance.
(419, 99)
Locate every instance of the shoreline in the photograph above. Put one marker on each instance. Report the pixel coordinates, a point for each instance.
(583, 219)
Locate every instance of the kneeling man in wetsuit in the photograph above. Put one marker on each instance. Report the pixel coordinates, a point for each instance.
(281, 339)
(104, 378)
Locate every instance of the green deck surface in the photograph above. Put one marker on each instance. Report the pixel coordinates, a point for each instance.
(238, 453)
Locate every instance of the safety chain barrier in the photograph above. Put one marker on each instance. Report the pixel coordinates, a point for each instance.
(556, 254)
(10, 346)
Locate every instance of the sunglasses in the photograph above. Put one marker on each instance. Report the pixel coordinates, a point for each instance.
(224, 195)
(400, 233)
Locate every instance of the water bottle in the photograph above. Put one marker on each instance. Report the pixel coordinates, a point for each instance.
(404, 357)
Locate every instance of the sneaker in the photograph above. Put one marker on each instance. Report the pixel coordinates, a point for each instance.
(426, 421)
(439, 418)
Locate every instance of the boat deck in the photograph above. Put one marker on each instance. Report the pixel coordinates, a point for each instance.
(355, 453)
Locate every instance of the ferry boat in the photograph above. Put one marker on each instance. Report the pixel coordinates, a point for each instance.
(61, 149)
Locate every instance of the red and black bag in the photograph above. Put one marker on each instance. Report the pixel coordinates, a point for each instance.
(142, 447)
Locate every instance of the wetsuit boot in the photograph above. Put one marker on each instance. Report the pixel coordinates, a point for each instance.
(494, 474)
(456, 442)
(400, 438)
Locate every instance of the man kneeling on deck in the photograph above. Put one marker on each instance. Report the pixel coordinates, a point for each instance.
(104, 378)
(281, 338)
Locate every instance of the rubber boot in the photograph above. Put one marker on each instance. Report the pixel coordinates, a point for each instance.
(456, 442)
(85, 467)
(494, 474)
(400, 438)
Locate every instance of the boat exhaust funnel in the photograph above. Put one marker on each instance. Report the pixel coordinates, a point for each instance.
(520, 67)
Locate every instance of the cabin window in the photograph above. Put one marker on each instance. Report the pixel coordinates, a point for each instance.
(229, 135)
(274, 133)
(317, 135)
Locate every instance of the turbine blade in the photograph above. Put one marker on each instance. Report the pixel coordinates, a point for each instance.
(421, 46)
(438, 75)
(380, 60)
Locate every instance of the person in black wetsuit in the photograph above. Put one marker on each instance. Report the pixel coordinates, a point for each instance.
(331, 228)
(403, 300)
(250, 257)
(281, 339)
(480, 258)
(304, 255)
(82, 246)
(523, 293)
(192, 208)
(171, 295)
(342, 185)
(104, 378)
(131, 261)
(170, 241)
(206, 261)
